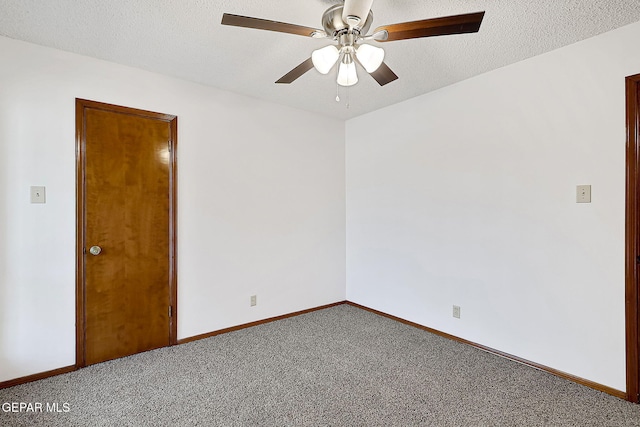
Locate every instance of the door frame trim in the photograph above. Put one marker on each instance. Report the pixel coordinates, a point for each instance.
(81, 106)
(632, 240)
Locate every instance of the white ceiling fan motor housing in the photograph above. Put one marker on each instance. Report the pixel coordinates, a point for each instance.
(356, 11)
(333, 23)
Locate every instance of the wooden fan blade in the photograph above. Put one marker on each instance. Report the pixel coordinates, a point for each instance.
(384, 75)
(296, 72)
(457, 24)
(264, 24)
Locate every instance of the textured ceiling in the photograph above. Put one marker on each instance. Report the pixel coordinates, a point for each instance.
(185, 39)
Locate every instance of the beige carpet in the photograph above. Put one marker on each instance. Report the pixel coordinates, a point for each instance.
(341, 366)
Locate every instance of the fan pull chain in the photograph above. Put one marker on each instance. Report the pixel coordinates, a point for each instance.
(338, 95)
(347, 97)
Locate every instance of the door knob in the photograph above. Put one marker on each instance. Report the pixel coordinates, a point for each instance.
(95, 250)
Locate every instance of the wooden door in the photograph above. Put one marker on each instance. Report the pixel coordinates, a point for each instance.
(632, 292)
(126, 231)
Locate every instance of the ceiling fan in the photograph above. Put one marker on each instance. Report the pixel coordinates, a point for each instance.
(348, 24)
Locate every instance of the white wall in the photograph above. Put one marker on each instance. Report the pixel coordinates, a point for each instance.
(466, 196)
(261, 202)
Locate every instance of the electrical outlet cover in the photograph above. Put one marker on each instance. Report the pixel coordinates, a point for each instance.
(456, 311)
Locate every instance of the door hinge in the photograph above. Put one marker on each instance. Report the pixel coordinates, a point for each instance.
(170, 311)
(169, 145)
(638, 259)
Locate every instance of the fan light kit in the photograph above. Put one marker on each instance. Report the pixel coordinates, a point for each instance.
(347, 24)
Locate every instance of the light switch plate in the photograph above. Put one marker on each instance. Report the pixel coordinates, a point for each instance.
(37, 194)
(583, 194)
